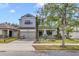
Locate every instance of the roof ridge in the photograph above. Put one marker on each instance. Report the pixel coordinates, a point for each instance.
(28, 15)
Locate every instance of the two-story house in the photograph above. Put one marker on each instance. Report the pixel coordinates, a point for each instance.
(27, 27)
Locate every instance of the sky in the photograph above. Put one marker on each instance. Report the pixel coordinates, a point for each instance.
(11, 12)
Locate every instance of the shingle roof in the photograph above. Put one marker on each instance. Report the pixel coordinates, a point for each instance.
(6, 26)
(28, 15)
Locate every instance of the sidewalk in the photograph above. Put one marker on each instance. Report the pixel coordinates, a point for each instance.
(54, 44)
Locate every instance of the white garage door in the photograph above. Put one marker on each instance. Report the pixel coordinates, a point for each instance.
(29, 35)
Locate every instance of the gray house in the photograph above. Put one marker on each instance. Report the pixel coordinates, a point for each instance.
(27, 27)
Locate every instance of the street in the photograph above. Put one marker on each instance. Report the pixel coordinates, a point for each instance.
(39, 53)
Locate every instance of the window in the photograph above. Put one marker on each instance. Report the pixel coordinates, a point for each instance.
(28, 22)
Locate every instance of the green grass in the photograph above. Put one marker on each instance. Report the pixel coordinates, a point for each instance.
(56, 47)
(7, 40)
(37, 45)
(58, 41)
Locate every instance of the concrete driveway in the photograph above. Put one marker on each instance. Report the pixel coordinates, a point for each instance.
(18, 45)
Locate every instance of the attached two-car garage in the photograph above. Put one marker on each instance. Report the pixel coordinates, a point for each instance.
(28, 34)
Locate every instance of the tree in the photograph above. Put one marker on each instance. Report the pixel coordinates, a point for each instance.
(68, 30)
(63, 11)
(43, 14)
(76, 24)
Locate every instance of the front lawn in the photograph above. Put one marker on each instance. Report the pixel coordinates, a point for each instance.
(7, 40)
(48, 44)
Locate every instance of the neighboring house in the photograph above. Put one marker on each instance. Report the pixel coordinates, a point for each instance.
(7, 30)
(27, 27)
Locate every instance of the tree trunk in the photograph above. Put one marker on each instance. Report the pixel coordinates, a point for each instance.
(37, 32)
(63, 36)
(64, 24)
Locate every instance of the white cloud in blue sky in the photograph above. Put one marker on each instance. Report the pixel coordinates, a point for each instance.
(12, 11)
(3, 5)
(38, 5)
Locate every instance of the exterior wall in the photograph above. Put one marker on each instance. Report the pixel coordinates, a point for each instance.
(75, 35)
(0, 32)
(28, 34)
(23, 19)
(14, 34)
(3, 33)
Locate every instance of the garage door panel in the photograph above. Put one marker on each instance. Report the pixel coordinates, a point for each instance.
(28, 35)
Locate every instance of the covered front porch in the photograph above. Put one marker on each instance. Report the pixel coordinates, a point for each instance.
(6, 33)
(50, 33)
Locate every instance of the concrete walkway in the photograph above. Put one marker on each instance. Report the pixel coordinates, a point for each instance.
(18, 45)
(56, 44)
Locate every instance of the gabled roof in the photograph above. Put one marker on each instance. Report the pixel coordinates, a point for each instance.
(27, 15)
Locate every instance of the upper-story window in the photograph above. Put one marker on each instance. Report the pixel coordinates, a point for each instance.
(28, 22)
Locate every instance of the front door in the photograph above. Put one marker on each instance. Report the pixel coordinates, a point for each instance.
(10, 33)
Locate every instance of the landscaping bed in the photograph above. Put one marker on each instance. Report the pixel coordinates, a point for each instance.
(7, 40)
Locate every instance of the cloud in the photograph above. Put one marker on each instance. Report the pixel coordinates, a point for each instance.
(38, 5)
(3, 5)
(12, 11)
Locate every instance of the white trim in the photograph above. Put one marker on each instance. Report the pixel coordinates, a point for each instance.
(27, 30)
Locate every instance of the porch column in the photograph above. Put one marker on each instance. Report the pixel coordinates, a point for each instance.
(8, 32)
(53, 33)
(44, 33)
(18, 34)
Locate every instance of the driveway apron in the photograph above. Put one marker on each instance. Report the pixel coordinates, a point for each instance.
(18, 45)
